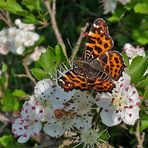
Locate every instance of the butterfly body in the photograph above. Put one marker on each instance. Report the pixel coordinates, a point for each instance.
(100, 66)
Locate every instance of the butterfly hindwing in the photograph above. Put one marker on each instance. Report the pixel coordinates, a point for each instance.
(102, 85)
(71, 80)
(98, 41)
(113, 63)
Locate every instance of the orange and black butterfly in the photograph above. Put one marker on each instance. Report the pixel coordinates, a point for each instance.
(100, 66)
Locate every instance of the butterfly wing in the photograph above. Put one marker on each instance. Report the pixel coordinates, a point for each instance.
(113, 64)
(100, 85)
(72, 80)
(98, 41)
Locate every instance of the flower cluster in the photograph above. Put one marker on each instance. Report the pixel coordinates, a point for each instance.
(17, 38)
(55, 111)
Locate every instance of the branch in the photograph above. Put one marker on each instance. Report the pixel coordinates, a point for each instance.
(140, 138)
(51, 7)
(4, 16)
(76, 48)
(29, 75)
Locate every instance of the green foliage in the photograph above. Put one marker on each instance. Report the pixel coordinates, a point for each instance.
(137, 68)
(9, 102)
(8, 141)
(49, 62)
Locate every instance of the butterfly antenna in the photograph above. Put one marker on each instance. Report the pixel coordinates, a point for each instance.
(69, 44)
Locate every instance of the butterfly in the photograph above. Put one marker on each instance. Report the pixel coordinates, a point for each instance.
(99, 68)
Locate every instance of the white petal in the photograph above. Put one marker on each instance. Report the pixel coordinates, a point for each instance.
(23, 139)
(43, 89)
(53, 129)
(103, 99)
(131, 115)
(37, 127)
(64, 96)
(110, 117)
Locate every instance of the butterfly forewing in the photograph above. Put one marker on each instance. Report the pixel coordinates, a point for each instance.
(98, 40)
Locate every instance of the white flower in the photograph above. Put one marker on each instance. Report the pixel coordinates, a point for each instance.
(124, 2)
(132, 52)
(51, 94)
(109, 6)
(60, 121)
(30, 38)
(120, 105)
(82, 103)
(89, 138)
(4, 48)
(23, 25)
(29, 123)
(36, 54)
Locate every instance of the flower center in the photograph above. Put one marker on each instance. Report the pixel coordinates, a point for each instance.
(119, 101)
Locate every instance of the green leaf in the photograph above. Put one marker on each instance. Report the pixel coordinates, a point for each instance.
(14, 7)
(141, 7)
(141, 36)
(126, 59)
(8, 141)
(39, 73)
(137, 68)
(117, 15)
(146, 93)
(144, 124)
(60, 57)
(143, 83)
(47, 61)
(2, 3)
(9, 102)
(19, 93)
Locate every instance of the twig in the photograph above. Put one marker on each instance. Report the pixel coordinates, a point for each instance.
(76, 48)
(28, 71)
(4, 15)
(51, 7)
(140, 138)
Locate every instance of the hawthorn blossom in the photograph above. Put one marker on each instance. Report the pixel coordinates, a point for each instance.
(120, 105)
(110, 5)
(16, 39)
(60, 121)
(29, 123)
(36, 54)
(51, 94)
(132, 51)
(82, 103)
(23, 25)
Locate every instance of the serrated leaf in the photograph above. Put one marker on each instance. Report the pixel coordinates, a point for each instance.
(19, 93)
(60, 57)
(39, 73)
(137, 68)
(47, 61)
